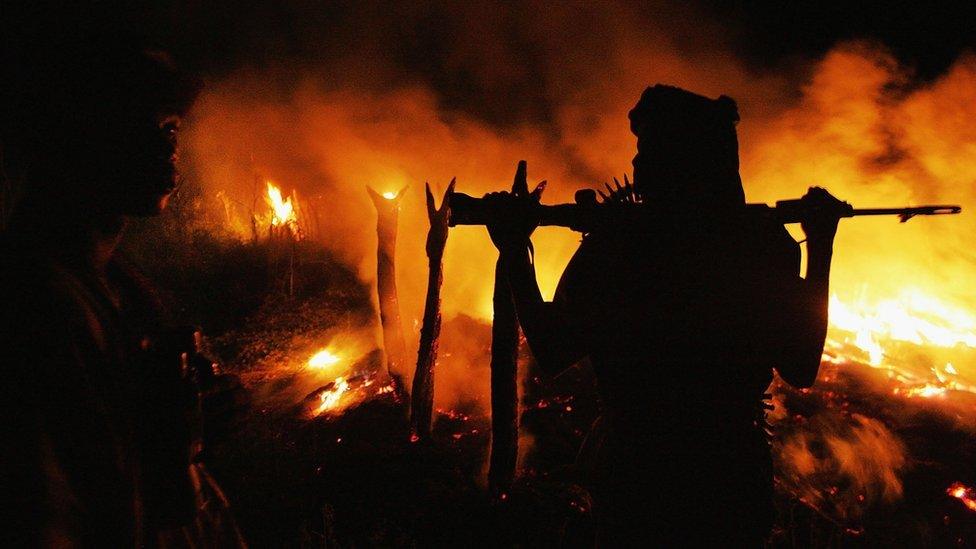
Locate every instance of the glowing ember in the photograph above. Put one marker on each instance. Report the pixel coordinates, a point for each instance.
(390, 195)
(329, 399)
(964, 494)
(283, 211)
(925, 391)
(323, 359)
(347, 392)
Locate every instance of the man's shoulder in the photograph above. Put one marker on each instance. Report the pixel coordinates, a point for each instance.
(768, 246)
(35, 287)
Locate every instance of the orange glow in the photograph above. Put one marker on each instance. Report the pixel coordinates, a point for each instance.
(925, 391)
(323, 359)
(912, 316)
(347, 392)
(881, 329)
(838, 128)
(389, 195)
(329, 399)
(963, 493)
(283, 211)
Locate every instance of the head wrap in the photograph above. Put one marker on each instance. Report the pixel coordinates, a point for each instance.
(693, 135)
(671, 110)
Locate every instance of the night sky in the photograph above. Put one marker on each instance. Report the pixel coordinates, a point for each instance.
(488, 59)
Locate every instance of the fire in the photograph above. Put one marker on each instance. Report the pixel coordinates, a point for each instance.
(844, 130)
(925, 391)
(283, 211)
(912, 317)
(347, 392)
(963, 493)
(323, 359)
(882, 329)
(329, 399)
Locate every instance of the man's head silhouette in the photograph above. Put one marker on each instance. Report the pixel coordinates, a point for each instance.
(92, 126)
(687, 148)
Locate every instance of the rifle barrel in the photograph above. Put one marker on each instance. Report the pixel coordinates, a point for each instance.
(904, 214)
(793, 211)
(583, 216)
(920, 210)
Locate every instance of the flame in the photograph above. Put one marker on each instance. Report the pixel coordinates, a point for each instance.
(329, 399)
(347, 392)
(844, 129)
(283, 211)
(963, 493)
(842, 462)
(912, 317)
(880, 329)
(323, 359)
(925, 391)
(389, 195)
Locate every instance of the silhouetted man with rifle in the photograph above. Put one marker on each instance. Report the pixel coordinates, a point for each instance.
(684, 306)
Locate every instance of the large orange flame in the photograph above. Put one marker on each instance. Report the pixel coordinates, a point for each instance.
(283, 210)
(880, 329)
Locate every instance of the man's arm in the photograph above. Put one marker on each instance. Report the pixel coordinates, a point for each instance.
(552, 342)
(550, 337)
(808, 307)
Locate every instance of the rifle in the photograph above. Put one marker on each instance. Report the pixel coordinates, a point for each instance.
(586, 213)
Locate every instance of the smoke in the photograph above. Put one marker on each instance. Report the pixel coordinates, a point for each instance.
(550, 86)
(841, 464)
(553, 86)
(865, 132)
(330, 137)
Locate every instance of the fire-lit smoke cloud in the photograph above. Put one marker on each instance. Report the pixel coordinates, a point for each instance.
(864, 132)
(857, 130)
(329, 139)
(853, 121)
(558, 98)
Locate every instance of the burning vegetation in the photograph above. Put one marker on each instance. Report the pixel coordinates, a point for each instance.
(296, 241)
(879, 449)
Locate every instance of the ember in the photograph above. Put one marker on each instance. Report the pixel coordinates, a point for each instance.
(330, 397)
(925, 391)
(963, 493)
(344, 393)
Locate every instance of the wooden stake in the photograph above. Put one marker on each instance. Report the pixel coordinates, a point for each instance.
(422, 394)
(387, 212)
(504, 387)
(503, 461)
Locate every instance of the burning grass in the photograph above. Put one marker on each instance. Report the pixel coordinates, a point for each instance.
(879, 451)
(872, 449)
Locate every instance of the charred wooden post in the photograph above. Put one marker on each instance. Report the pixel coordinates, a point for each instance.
(504, 363)
(504, 387)
(422, 395)
(387, 213)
